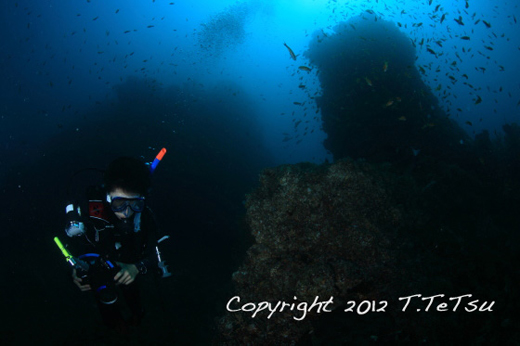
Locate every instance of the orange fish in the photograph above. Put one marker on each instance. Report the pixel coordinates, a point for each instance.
(389, 103)
(369, 82)
(290, 51)
(385, 66)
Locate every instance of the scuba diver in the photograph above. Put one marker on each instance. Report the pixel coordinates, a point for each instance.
(118, 238)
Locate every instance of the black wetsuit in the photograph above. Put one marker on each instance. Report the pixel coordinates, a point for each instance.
(118, 240)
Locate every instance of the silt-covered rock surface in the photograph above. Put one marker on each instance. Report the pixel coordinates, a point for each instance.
(412, 205)
(320, 231)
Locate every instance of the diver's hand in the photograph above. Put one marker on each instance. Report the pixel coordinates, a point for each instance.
(77, 281)
(127, 274)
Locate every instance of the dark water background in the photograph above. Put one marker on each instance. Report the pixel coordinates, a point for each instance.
(85, 82)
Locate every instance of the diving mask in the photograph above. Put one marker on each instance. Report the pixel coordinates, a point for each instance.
(120, 204)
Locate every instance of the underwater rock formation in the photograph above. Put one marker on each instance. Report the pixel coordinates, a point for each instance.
(374, 103)
(321, 231)
(361, 231)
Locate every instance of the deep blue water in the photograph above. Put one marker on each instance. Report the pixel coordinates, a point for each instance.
(86, 81)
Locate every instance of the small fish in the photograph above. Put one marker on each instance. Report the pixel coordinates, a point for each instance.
(389, 103)
(402, 118)
(290, 51)
(486, 24)
(467, 38)
(478, 100)
(443, 17)
(385, 66)
(469, 123)
(369, 82)
(459, 21)
(305, 68)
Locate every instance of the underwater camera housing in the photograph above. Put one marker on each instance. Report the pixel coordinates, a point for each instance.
(100, 276)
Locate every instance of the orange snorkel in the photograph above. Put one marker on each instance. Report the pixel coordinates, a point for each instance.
(158, 159)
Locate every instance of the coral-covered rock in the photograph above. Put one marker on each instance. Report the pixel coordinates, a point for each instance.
(374, 103)
(321, 231)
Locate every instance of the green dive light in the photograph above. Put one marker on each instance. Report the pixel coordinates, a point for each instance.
(64, 251)
(74, 261)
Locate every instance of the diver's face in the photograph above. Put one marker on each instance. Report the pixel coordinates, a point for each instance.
(127, 212)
